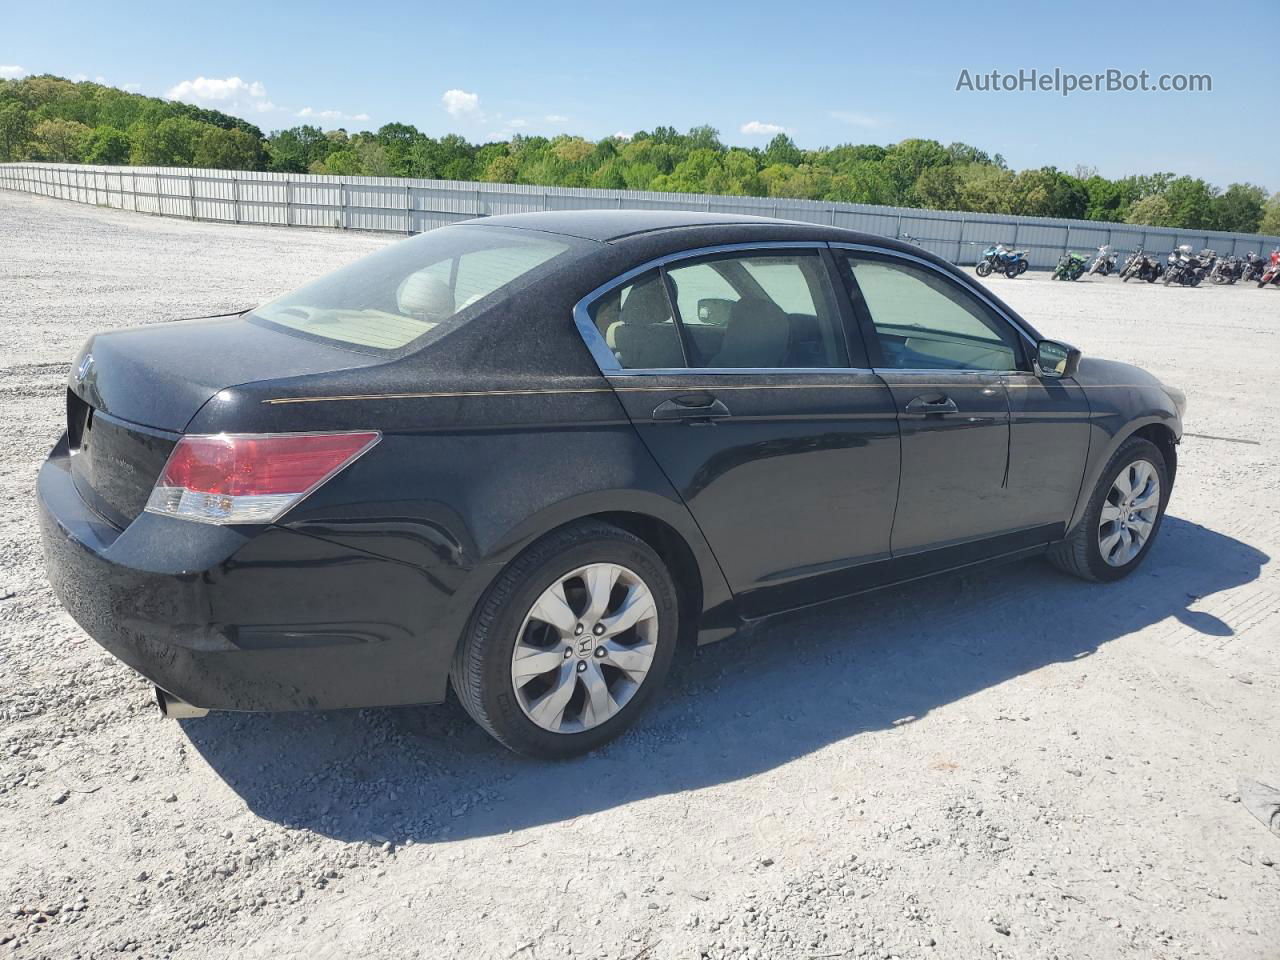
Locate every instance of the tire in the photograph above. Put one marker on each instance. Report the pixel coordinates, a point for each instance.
(483, 668)
(983, 269)
(1011, 272)
(1022, 266)
(1080, 554)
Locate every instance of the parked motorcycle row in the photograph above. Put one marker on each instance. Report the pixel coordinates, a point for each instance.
(1181, 266)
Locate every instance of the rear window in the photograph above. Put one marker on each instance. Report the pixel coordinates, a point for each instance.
(393, 297)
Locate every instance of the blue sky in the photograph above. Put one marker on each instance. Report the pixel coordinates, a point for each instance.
(826, 72)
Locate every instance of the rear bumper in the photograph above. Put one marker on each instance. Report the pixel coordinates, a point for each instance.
(260, 619)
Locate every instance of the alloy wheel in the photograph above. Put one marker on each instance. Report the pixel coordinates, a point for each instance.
(1129, 513)
(585, 648)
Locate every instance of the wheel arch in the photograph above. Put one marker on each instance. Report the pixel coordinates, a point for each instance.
(1158, 429)
(708, 609)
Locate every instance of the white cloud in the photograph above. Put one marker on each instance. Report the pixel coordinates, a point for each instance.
(460, 103)
(12, 72)
(855, 119)
(757, 129)
(620, 135)
(555, 118)
(310, 113)
(517, 122)
(229, 93)
(131, 87)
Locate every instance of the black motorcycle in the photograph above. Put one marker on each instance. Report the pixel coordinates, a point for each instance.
(1184, 268)
(1252, 267)
(1142, 266)
(1227, 270)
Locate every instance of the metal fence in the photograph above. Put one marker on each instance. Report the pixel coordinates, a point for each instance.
(408, 206)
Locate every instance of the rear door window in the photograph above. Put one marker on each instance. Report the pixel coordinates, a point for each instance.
(759, 309)
(636, 321)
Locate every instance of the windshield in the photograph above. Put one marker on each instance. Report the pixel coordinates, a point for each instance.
(393, 297)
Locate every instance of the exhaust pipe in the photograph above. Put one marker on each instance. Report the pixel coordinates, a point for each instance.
(176, 708)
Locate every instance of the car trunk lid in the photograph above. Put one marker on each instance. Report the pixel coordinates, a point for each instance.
(131, 394)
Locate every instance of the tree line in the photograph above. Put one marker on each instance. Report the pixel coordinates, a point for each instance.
(53, 119)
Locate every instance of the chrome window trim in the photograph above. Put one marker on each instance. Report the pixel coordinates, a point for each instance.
(728, 371)
(608, 363)
(978, 293)
(610, 367)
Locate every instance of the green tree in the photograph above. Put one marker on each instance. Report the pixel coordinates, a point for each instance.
(60, 141)
(296, 149)
(229, 150)
(1238, 209)
(986, 189)
(1270, 225)
(938, 188)
(1048, 192)
(905, 161)
(1153, 210)
(501, 170)
(170, 143)
(782, 151)
(107, 145)
(16, 126)
(1191, 203)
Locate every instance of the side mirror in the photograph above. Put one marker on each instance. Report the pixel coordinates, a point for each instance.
(1056, 360)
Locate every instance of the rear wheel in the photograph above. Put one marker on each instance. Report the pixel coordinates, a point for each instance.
(1123, 516)
(570, 642)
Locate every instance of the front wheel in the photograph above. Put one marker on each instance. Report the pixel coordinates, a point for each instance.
(983, 269)
(569, 643)
(1123, 517)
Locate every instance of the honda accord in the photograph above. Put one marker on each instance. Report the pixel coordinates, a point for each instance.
(526, 456)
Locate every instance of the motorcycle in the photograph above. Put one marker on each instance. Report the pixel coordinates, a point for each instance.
(1105, 262)
(1227, 270)
(1252, 268)
(1141, 265)
(1272, 273)
(1183, 268)
(1070, 267)
(998, 257)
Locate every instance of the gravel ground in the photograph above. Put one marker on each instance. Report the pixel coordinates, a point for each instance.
(1008, 763)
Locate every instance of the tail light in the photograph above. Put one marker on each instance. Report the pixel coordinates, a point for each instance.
(250, 478)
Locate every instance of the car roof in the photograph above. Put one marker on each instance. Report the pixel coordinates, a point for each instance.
(608, 225)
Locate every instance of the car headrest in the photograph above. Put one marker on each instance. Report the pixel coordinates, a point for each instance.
(646, 304)
(425, 296)
(757, 335)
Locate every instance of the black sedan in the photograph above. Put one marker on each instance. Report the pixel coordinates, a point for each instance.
(526, 456)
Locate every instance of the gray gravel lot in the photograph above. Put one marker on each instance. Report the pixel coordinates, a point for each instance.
(1008, 763)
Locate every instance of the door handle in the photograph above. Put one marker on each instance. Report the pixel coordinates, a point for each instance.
(932, 405)
(693, 406)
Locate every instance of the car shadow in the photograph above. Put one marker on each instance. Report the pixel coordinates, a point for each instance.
(731, 710)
